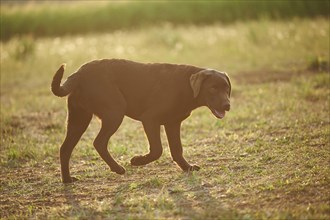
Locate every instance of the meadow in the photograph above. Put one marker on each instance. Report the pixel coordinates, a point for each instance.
(267, 159)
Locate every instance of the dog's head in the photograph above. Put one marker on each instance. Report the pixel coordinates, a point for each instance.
(213, 88)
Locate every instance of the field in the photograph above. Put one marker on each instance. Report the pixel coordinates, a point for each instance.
(267, 159)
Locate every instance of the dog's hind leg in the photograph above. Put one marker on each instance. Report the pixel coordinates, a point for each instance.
(109, 127)
(111, 112)
(78, 121)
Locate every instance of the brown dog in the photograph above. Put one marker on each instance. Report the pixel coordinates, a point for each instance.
(155, 94)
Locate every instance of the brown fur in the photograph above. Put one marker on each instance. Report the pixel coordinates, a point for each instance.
(155, 94)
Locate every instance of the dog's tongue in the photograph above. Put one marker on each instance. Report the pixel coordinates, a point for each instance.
(219, 114)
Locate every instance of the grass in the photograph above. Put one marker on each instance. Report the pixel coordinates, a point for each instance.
(268, 159)
(53, 19)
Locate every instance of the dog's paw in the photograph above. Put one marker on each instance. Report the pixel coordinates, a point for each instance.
(70, 180)
(192, 168)
(138, 161)
(119, 170)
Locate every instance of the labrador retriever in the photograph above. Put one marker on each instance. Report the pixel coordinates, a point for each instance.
(154, 93)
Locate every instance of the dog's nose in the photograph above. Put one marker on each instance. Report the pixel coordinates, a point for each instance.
(226, 107)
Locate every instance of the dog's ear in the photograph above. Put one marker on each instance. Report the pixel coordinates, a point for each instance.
(197, 79)
(228, 79)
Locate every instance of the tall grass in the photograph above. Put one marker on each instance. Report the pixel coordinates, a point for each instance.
(53, 18)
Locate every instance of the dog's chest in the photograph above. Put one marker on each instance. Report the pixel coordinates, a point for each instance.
(175, 116)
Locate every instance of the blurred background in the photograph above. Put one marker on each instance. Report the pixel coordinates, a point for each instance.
(177, 30)
(57, 18)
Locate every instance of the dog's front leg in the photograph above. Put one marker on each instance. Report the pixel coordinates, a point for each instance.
(152, 131)
(174, 140)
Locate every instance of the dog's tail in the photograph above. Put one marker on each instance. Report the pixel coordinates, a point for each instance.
(67, 87)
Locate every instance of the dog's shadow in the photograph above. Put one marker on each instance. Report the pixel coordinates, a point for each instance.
(198, 199)
(194, 199)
